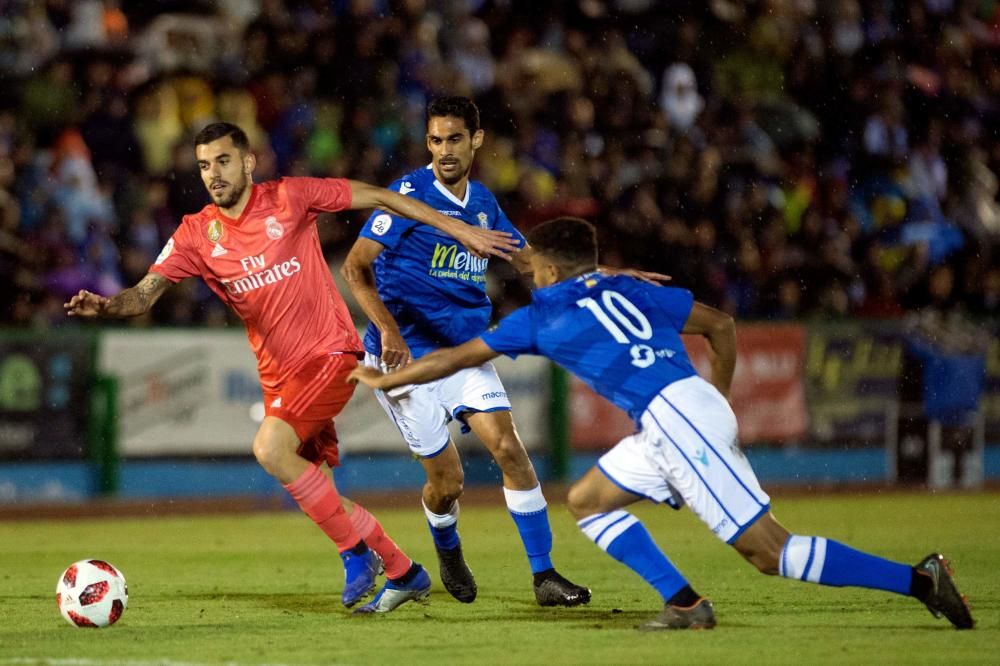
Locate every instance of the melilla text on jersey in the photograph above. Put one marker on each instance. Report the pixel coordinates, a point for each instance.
(448, 261)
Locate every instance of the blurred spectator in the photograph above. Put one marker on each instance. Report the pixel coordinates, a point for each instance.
(680, 99)
(782, 159)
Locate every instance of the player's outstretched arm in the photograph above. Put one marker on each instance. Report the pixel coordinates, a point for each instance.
(481, 242)
(435, 365)
(720, 331)
(645, 276)
(133, 301)
(360, 276)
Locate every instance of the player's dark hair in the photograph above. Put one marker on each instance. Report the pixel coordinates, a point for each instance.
(217, 131)
(456, 107)
(569, 240)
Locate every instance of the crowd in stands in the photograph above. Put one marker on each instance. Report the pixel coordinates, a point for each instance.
(784, 159)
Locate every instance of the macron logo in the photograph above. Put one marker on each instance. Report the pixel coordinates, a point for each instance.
(406, 187)
(218, 250)
(277, 402)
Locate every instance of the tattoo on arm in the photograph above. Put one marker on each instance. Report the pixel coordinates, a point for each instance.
(138, 299)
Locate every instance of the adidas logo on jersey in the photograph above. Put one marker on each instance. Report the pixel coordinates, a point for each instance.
(218, 250)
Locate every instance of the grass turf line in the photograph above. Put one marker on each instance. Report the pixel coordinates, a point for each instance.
(265, 589)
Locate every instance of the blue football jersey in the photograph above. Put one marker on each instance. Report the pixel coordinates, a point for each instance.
(433, 287)
(619, 335)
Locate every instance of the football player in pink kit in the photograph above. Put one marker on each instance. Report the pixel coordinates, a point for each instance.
(257, 247)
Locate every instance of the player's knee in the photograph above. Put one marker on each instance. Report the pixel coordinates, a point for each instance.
(268, 453)
(447, 490)
(509, 453)
(581, 502)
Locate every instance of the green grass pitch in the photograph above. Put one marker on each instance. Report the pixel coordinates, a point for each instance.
(264, 589)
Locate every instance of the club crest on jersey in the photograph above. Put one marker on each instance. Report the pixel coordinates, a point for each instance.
(273, 228)
(214, 231)
(484, 221)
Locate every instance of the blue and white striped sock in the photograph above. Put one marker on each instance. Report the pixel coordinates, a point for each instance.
(623, 537)
(828, 562)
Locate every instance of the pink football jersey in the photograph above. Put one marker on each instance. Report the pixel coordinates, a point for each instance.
(268, 266)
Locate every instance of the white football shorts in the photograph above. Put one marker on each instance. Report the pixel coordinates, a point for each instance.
(422, 412)
(688, 443)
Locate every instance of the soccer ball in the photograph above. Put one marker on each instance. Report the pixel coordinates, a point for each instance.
(91, 593)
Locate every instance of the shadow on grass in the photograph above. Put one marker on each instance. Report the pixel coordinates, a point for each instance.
(303, 602)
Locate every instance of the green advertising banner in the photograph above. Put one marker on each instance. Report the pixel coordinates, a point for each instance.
(45, 385)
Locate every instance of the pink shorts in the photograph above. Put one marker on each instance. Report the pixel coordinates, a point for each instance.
(311, 400)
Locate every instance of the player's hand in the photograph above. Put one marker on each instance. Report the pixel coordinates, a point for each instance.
(85, 304)
(486, 243)
(372, 377)
(645, 276)
(395, 352)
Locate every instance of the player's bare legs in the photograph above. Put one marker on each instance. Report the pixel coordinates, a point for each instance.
(597, 504)
(527, 506)
(275, 446)
(440, 495)
(362, 542)
(497, 432)
(775, 551)
(594, 493)
(762, 543)
(445, 480)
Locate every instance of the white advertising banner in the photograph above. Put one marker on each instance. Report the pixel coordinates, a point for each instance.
(195, 392)
(182, 392)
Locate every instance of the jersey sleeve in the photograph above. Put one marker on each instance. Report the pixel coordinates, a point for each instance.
(514, 335)
(323, 195)
(177, 259)
(385, 228)
(503, 223)
(676, 303)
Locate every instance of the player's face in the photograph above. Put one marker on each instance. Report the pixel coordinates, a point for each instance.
(224, 170)
(544, 271)
(452, 147)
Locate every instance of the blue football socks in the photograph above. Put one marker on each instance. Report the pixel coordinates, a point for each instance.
(444, 527)
(623, 537)
(827, 562)
(531, 515)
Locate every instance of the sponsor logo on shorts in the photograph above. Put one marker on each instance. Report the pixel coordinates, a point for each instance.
(493, 395)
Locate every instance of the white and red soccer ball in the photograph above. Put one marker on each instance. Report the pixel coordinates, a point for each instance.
(92, 593)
